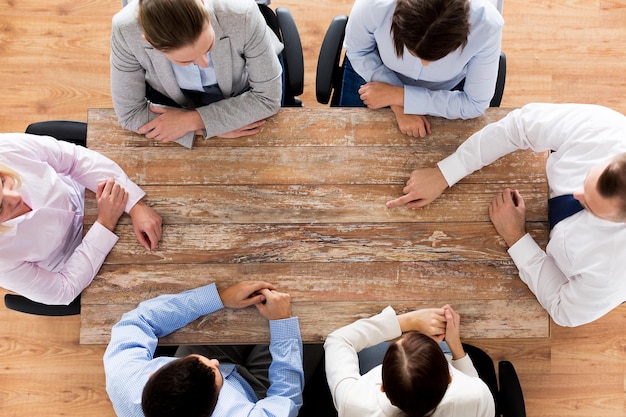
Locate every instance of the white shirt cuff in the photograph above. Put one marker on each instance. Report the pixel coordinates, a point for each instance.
(452, 169)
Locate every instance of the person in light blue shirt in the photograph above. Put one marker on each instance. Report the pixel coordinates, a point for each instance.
(139, 384)
(422, 57)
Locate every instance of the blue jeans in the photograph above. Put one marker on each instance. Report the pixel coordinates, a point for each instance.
(350, 85)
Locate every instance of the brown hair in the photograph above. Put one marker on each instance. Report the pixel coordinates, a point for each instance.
(415, 374)
(612, 182)
(430, 29)
(183, 387)
(172, 24)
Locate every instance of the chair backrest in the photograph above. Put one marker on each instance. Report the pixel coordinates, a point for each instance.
(329, 71)
(508, 397)
(292, 54)
(283, 25)
(24, 305)
(65, 130)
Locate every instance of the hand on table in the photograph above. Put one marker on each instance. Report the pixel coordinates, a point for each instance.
(248, 130)
(171, 124)
(422, 188)
(414, 125)
(507, 212)
(147, 225)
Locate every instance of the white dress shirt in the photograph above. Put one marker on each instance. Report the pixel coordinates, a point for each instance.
(369, 46)
(580, 276)
(357, 395)
(43, 254)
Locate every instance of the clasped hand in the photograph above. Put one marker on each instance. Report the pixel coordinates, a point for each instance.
(271, 304)
(112, 199)
(438, 323)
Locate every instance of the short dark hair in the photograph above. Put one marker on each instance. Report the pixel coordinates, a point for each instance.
(430, 29)
(415, 374)
(183, 387)
(172, 24)
(612, 182)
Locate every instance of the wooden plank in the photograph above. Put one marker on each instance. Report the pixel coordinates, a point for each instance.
(358, 242)
(299, 165)
(491, 318)
(323, 204)
(330, 282)
(309, 127)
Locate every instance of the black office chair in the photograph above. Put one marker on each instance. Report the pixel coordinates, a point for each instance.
(509, 397)
(330, 71)
(24, 305)
(284, 27)
(69, 131)
(65, 130)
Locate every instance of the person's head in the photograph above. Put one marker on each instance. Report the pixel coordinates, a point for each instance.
(415, 374)
(604, 190)
(430, 29)
(187, 386)
(180, 29)
(11, 202)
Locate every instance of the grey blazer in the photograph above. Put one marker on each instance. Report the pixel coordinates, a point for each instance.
(245, 54)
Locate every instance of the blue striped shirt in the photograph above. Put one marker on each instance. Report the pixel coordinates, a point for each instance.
(129, 361)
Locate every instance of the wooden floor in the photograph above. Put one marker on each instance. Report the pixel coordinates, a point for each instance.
(54, 64)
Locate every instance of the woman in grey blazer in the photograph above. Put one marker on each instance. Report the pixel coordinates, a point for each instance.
(186, 67)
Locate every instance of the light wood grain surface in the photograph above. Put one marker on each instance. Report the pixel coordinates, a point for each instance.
(54, 64)
(293, 206)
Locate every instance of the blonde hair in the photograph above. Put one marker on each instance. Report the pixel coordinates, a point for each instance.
(6, 171)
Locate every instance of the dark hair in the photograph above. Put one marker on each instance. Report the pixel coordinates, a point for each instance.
(183, 387)
(172, 24)
(415, 374)
(430, 29)
(612, 182)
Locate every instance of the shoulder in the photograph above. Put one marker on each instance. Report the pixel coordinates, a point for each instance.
(127, 16)
(466, 392)
(484, 16)
(374, 8)
(230, 7)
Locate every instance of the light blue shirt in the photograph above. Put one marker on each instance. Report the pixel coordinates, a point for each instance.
(369, 46)
(129, 362)
(193, 77)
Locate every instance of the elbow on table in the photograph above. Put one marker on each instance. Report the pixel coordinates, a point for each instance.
(473, 109)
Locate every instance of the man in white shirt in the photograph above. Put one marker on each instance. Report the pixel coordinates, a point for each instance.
(580, 276)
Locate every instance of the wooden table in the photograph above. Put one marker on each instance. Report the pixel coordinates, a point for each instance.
(302, 205)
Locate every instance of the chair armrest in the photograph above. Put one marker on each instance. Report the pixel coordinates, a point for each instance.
(511, 402)
(292, 53)
(328, 61)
